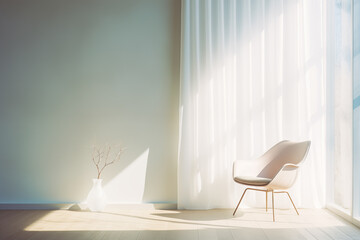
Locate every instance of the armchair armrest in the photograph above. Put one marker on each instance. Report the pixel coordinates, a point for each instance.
(285, 178)
(289, 167)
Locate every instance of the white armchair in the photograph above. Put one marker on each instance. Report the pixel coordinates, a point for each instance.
(276, 169)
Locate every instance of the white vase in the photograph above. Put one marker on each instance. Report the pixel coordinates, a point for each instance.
(96, 200)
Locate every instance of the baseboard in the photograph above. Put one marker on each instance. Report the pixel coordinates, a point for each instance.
(34, 206)
(82, 206)
(343, 214)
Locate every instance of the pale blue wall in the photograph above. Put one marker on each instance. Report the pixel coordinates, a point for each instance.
(72, 71)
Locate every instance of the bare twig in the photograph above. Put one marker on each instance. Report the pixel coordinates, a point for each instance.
(100, 157)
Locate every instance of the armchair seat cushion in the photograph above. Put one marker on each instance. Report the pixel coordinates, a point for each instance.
(252, 181)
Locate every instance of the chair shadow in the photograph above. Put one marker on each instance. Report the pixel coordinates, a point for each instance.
(201, 215)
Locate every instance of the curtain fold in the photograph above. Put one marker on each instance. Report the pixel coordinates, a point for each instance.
(252, 74)
(343, 104)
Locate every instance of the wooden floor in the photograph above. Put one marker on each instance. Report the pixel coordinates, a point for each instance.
(172, 224)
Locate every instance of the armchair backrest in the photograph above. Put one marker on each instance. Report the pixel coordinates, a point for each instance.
(282, 153)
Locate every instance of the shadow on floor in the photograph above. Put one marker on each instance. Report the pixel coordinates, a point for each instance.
(201, 215)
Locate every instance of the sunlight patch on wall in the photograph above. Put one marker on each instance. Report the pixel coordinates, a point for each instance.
(128, 186)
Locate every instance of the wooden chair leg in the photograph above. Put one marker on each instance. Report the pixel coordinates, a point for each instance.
(293, 203)
(272, 191)
(266, 200)
(273, 201)
(240, 201)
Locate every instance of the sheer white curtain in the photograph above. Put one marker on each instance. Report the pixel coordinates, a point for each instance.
(343, 103)
(252, 74)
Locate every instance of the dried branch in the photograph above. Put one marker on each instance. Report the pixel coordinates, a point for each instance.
(100, 157)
